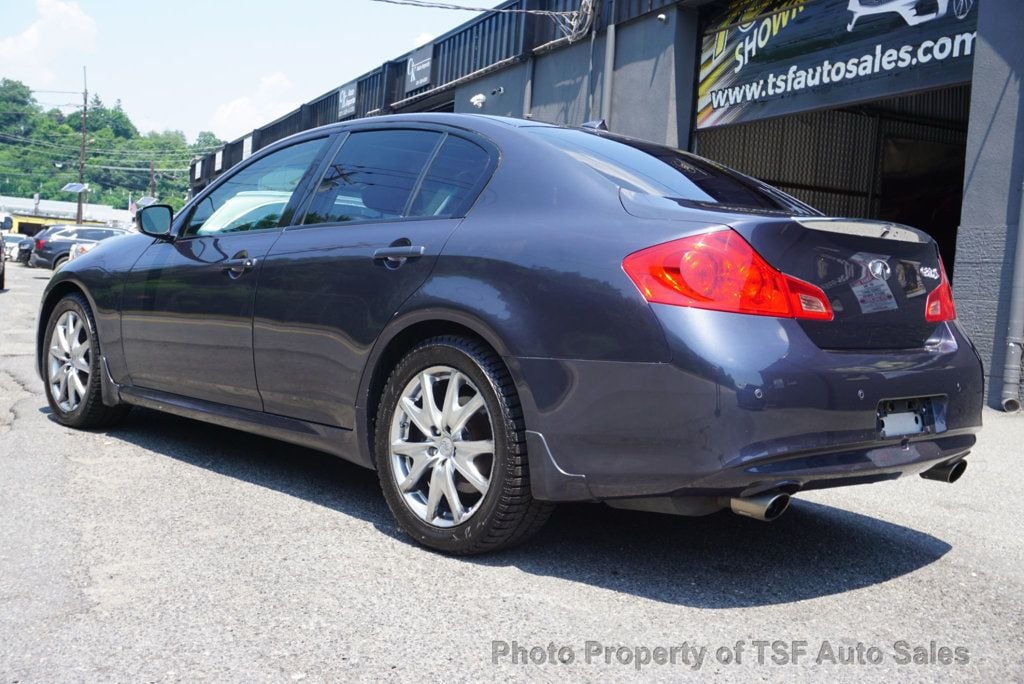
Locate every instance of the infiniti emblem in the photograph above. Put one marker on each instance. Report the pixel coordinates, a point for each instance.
(880, 269)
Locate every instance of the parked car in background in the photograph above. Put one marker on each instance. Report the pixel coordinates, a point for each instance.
(52, 250)
(3, 261)
(80, 248)
(10, 241)
(499, 314)
(28, 243)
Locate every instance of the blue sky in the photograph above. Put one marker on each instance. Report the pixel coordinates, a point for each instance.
(213, 65)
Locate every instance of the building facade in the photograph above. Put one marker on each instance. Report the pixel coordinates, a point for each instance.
(27, 216)
(901, 110)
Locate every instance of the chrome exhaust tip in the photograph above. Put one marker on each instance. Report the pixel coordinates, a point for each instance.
(948, 472)
(765, 507)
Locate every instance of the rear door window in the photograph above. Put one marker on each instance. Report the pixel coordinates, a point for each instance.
(373, 176)
(454, 179)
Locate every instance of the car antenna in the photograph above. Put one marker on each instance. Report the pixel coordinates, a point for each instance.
(597, 125)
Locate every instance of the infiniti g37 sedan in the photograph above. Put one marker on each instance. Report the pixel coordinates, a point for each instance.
(498, 315)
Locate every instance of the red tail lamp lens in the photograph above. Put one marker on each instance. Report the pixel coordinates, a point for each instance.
(721, 271)
(939, 305)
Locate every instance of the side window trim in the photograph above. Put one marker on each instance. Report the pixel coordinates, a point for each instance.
(299, 219)
(301, 192)
(414, 193)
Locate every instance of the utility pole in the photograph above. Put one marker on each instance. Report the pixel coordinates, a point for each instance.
(152, 181)
(81, 149)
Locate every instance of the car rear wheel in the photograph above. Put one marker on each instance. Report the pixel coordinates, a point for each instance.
(59, 262)
(451, 450)
(72, 367)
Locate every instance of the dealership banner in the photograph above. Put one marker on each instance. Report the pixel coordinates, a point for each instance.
(768, 58)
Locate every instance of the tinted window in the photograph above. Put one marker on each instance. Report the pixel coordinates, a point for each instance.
(453, 180)
(658, 170)
(94, 234)
(254, 198)
(373, 176)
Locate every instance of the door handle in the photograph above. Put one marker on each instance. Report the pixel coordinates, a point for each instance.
(399, 253)
(239, 265)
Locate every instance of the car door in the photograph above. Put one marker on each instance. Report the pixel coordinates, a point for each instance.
(385, 206)
(187, 314)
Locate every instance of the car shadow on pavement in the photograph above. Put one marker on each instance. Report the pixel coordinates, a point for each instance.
(718, 561)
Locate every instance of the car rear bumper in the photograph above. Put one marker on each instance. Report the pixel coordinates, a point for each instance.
(37, 261)
(746, 404)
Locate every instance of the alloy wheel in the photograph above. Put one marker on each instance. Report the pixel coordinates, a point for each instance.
(442, 446)
(70, 361)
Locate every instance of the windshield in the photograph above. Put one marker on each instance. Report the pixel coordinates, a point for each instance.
(666, 172)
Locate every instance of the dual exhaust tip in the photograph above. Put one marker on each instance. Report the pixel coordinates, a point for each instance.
(768, 507)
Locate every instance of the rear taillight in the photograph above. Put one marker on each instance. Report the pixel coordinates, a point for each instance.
(40, 244)
(721, 271)
(939, 305)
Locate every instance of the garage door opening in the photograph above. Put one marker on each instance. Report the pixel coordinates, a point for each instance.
(896, 159)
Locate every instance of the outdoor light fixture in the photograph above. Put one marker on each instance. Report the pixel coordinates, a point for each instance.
(478, 100)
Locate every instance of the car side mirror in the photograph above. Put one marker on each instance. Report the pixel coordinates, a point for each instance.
(155, 220)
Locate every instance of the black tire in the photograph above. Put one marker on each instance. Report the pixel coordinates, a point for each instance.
(91, 412)
(60, 261)
(3, 279)
(507, 514)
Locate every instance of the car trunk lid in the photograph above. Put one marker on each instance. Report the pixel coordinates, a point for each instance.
(876, 275)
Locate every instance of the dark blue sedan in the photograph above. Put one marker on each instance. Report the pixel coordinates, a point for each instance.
(498, 315)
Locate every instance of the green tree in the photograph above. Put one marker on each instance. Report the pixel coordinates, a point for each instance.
(39, 151)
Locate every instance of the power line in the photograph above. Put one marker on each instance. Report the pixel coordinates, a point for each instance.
(131, 168)
(574, 24)
(426, 4)
(42, 142)
(40, 174)
(141, 154)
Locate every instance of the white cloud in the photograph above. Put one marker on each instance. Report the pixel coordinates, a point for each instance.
(59, 29)
(422, 39)
(273, 97)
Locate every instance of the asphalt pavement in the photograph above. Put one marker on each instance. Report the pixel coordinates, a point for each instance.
(171, 550)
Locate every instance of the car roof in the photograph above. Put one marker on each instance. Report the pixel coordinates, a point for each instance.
(480, 123)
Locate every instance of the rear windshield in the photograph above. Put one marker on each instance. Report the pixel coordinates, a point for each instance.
(666, 172)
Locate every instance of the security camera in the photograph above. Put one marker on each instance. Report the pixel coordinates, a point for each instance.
(478, 100)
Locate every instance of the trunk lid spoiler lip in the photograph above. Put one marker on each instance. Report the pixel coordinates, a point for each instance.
(646, 206)
(879, 230)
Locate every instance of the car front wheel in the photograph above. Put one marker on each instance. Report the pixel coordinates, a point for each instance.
(451, 451)
(71, 367)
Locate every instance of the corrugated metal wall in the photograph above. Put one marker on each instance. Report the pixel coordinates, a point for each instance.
(475, 45)
(490, 40)
(281, 128)
(830, 159)
(325, 110)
